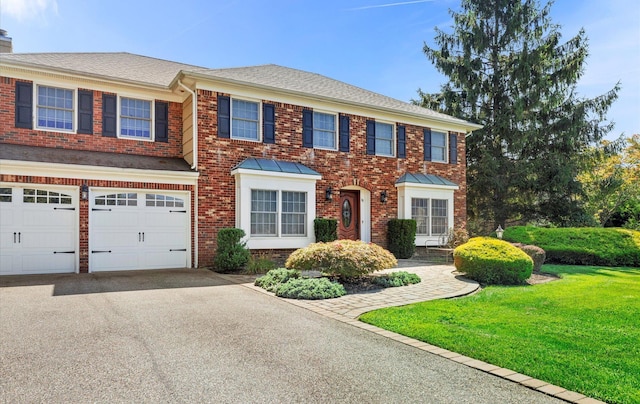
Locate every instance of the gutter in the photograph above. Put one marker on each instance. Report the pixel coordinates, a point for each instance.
(194, 166)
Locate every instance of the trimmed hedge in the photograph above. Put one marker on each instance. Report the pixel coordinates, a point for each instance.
(231, 253)
(326, 230)
(342, 258)
(310, 289)
(583, 245)
(401, 234)
(536, 253)
(492, 261)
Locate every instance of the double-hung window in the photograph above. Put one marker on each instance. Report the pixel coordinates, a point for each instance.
(245, 120)
(55, 108)
(135, 118)
(324, 130)
(439, 146)
(275, 213)
(430, 215)
(384, 139)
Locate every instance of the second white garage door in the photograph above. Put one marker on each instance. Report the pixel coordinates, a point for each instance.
(138, 230)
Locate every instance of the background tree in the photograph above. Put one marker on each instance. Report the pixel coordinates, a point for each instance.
(509, 71)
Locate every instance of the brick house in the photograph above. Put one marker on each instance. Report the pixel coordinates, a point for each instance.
(112, 161)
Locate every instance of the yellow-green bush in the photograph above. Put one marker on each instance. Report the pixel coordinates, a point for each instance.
(492, 261)
(342, 258)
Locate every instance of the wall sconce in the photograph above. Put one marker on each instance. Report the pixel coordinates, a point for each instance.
(328, 194)
(499, 232)
(84, 192)
(383, 196)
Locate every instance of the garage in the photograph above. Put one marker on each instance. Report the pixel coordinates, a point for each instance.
(132, 230)
(38, 229)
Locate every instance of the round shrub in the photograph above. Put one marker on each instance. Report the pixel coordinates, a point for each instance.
(491, 261)
(272, 279)
(310, 289)
(537, 254)
(394, 279)
(342, 258)
(231, 253)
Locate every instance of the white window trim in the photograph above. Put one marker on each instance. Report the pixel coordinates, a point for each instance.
(279, 213)
(407, 191)
(74, 104)
(259, 102)
(430, 215)
(248, 180)
(393, 139)
(446, 146)
(336, 124)
(153, 118)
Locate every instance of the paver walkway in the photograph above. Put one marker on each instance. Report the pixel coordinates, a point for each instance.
(438, 282)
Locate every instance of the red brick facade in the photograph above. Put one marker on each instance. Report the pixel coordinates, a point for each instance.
(216, 199)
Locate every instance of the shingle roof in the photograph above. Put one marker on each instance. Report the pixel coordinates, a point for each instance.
(425, 179)
(277, 166)
(299, 81)
(119, 66)
(90, 158)
(145, 70)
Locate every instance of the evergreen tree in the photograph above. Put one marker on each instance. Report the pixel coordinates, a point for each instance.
(509, 71)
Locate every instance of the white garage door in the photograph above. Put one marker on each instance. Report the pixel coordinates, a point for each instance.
(138, 230)
(38, 230)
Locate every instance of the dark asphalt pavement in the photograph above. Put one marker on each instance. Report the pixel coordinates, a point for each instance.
(190, 336)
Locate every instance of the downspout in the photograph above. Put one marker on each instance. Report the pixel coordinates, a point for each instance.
(194, 166)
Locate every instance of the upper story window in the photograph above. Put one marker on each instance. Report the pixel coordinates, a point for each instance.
(55, 108)
(245, 120)
(439, 146)
(324, 130)
(135, 118)
(384, 139)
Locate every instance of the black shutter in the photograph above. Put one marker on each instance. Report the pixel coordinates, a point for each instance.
(224, 117)
(307, 128)
(427, 144)
(343, 139)
(269, 123)
(371, 137)
(24, 105)
(85, 112)
(453, 148)
(162, 121)
(109, 115)
(402, 142)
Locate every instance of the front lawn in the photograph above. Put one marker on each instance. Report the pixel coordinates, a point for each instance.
(581, 332)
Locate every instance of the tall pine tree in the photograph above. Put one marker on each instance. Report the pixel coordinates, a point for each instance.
(509, 71)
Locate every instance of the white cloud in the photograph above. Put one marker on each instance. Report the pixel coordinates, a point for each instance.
(23, 10)
(403, 3)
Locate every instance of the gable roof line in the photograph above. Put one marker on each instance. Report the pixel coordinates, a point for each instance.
(469, 126)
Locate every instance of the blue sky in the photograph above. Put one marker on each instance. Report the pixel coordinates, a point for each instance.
(374, 44)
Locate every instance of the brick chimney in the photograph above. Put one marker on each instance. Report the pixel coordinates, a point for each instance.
(6, 46)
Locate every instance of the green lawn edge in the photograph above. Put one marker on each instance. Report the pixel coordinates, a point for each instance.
(581, 333)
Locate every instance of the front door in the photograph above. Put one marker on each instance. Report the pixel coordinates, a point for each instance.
(349, 227)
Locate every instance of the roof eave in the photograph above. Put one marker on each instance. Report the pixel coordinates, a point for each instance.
(467, 126)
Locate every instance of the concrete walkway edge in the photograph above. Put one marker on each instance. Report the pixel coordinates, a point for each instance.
(348, 308)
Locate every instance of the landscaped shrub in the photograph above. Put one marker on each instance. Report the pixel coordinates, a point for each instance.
(260, 264)
(310, 288)
(394, 279)
(491, 261)
(457, 237)
(581, 245)
(326, 230)
(272, 279)
(402, 237)
(231, 253)
(342, 258)
(536, 253)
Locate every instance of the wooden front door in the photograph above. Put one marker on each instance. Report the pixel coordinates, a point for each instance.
(349, 227)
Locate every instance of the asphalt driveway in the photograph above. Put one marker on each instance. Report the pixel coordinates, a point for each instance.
(190, 336)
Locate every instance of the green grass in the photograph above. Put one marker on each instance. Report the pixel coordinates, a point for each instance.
(581, 332)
